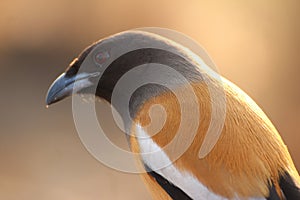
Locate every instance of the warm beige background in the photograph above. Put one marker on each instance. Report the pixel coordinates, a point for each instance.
(254, 43)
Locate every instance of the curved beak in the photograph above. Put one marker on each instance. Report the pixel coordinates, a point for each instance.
(65, 86)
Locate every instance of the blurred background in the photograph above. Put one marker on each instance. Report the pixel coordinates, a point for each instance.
(255, 44)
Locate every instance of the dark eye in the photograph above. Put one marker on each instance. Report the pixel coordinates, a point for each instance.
(101, 57)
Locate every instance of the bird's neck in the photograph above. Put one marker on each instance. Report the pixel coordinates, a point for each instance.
(142, 74)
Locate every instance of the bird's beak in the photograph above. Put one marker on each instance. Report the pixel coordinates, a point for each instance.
(65, 86)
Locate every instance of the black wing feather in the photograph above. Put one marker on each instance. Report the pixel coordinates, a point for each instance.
(273, 195)
(290, 190)
(288, 187)
(174, 192)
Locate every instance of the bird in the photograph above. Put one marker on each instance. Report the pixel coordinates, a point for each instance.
(248, 160)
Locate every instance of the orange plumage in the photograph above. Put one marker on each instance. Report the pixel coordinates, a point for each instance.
(248, 156)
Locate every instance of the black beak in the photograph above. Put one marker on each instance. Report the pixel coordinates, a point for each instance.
(65, 86)
(61, 88)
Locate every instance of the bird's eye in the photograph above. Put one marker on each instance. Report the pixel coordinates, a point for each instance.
(102, 57)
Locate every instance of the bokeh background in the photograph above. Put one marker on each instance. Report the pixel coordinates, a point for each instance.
(254, 43)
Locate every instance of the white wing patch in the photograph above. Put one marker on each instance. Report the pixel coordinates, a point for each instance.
(184, 180)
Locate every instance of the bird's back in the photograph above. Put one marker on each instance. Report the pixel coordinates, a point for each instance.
(248, 160)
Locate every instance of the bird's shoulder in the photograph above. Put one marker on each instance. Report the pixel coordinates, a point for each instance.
(248, 156)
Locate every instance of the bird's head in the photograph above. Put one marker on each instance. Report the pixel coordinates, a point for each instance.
(99, 67)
